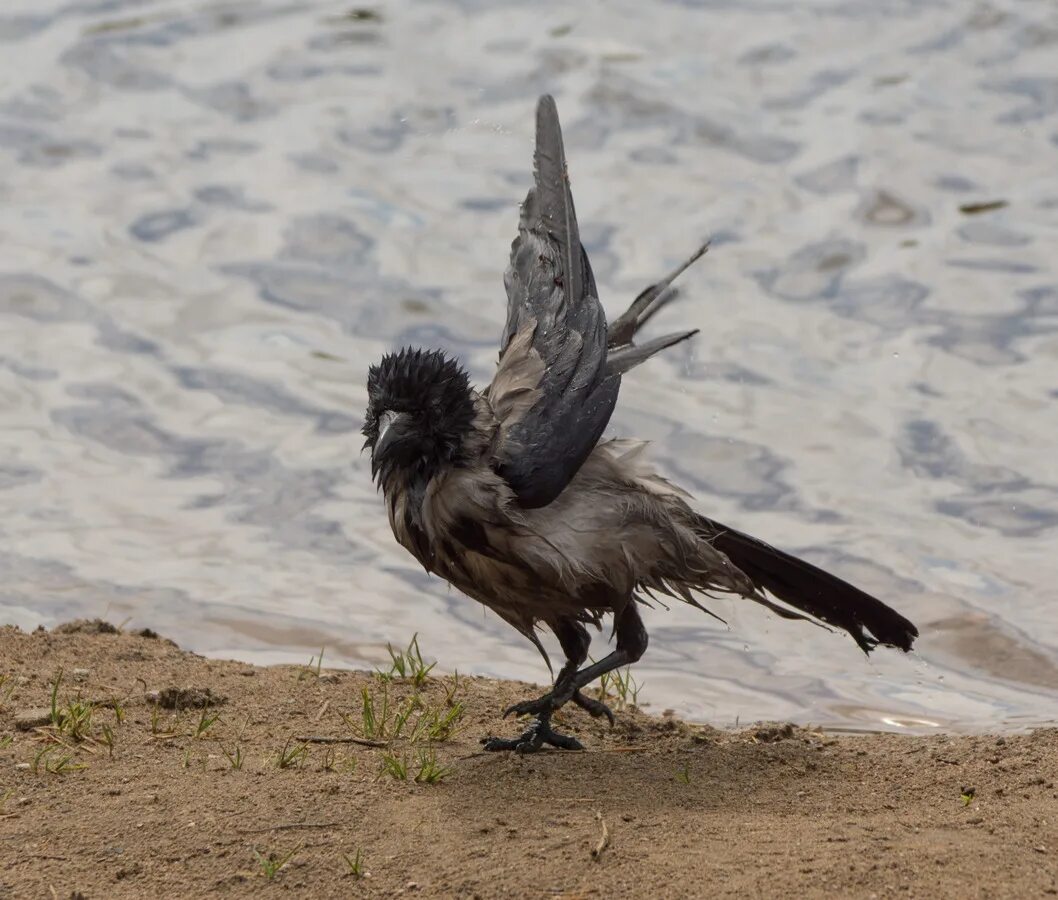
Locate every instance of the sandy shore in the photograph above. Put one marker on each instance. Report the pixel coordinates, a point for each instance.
(143, 792)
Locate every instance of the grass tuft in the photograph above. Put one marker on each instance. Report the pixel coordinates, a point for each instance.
(355, 864)
(381, 719)
(407, 664)
(332, 761)
(7, 688)
(436, 725)
(451, 689)
(74, 720)
(272, 864)
(394, 766)
(54, 761)
(55, 698)
(292, 757)
(107, 739)
(234, 757)
(427, 769)
(430, 772)
(619, 688)
(205, 723)
(313, 669)
(384, 719)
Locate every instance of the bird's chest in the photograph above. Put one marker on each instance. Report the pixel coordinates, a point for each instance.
(404, 501)
(442, 525)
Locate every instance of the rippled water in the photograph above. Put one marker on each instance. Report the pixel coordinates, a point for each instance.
(214, 216)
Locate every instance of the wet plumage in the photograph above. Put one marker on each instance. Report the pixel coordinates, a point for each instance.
(511, 495)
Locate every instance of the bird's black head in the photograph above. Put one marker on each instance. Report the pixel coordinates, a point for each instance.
(420, 410)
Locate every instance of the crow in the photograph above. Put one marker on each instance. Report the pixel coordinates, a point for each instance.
(510, 495)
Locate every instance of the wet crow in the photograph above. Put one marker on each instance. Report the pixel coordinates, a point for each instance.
(509, 494)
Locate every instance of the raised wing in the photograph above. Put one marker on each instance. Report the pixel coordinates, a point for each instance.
(552, 394)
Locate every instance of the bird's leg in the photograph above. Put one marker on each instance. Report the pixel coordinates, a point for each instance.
(552, 700)
(562, 693)
(575, 640)
(631, 644)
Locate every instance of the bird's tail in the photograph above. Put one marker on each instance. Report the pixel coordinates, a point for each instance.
(622, 352)
(810, 590)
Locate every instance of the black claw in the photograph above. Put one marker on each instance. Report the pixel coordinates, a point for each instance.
(533, 738)
(541, 706)
(530, 707)
(563, 741)
(594, 708)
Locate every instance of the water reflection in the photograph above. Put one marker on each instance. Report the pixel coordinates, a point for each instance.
(214, 219)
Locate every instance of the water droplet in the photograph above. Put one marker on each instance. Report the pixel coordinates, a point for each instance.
(896, 354)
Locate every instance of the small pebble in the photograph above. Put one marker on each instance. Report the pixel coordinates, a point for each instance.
(26, 719)
(80, 674)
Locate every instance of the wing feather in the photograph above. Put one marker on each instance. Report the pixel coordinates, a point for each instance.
(552, 393)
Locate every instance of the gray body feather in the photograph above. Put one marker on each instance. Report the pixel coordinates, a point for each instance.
(616, 529)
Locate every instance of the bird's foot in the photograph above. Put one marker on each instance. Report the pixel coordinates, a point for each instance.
(533, 738)
(541, 706)
(551, 701)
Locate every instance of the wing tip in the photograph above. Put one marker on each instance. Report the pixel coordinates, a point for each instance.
(549, 134)
(546, 111)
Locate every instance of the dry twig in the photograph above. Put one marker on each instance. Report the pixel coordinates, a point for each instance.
(604, 838)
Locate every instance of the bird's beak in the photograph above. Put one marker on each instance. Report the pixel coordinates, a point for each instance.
(389, 430)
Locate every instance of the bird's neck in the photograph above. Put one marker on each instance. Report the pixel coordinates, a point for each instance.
(405, 493)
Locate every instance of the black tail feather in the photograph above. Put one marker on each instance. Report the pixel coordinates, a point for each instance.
(811, 590)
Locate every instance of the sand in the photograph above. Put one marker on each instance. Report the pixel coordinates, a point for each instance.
(653, 808)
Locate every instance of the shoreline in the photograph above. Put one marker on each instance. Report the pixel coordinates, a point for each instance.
(161, 770)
